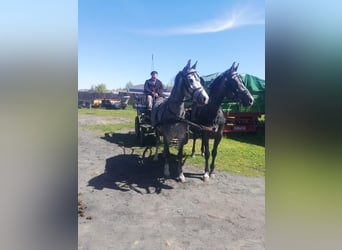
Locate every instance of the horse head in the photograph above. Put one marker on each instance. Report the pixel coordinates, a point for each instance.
(237, 86)
(192, 84)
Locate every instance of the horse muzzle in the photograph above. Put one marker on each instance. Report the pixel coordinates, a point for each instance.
(200, 97)
(248, 101)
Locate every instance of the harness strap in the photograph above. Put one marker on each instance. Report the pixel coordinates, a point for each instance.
(198, 126)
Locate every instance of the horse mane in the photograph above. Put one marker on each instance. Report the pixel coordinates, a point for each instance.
(216, 83)
(176, 82)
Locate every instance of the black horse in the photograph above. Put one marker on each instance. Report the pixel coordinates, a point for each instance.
(167, 114)
(210, 116)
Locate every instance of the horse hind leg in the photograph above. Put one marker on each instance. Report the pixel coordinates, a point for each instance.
(194, 145)
(166, 168)
(202, 148)
(196, 135)
(155, 158)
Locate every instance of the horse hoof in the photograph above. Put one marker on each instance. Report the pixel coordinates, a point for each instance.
(212, 175)
(181, 178)
(206, 177)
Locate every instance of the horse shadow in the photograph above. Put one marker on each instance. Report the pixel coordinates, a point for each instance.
(122, 139)
(256, 138)
(194, 175)
(131, 173)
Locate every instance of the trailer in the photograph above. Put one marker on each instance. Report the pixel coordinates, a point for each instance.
(241, 122)
(116, 103)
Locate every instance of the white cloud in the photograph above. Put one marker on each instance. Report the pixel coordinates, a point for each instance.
(237, 17)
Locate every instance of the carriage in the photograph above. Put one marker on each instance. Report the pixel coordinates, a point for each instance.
(143, 127)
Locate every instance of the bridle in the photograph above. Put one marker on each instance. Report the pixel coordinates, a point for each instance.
(240, 90)
(193, 92)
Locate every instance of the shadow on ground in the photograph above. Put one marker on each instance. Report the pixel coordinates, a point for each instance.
(136, 173)
(127, 140)
(256, 138)
(132, 173)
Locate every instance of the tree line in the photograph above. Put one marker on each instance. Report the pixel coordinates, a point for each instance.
(102, 88)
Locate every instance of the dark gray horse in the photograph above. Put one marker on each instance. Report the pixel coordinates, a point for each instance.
(167, 113)
(228, 84)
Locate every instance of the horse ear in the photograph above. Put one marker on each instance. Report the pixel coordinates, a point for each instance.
(187, 66)
(230, 70)
(237, 66)
(194, 66)
(233, 65)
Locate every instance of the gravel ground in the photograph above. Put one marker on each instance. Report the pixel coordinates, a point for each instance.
(124, 203)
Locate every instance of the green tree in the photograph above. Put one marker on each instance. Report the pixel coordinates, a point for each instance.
(129, 85)
(100, 88)
(169, 86)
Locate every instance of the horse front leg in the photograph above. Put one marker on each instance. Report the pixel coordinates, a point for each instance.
(214, 154)
(181, 176)
(166, 157)
(205, 141)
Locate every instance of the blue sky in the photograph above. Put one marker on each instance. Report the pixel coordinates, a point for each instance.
(116, 39)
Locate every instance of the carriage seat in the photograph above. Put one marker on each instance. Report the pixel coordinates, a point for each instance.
(141, 106)
(140, 101)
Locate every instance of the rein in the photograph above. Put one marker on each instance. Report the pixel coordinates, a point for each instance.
(198, 126)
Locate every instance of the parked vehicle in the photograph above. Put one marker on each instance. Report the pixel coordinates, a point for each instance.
(115, 104)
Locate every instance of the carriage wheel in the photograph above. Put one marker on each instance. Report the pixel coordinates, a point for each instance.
(137, 127)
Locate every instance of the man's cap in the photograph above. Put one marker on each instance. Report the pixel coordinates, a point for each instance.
(154, 72)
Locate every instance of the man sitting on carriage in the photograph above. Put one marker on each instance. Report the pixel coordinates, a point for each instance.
(153, 88)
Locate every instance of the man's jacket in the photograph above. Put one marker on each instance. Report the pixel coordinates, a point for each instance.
(149, 87)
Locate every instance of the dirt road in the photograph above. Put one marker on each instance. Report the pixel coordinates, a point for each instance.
(125, 204)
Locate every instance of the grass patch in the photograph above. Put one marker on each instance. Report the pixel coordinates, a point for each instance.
(129, 112)
(240, 153)
(108, 128)
(232, 156)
